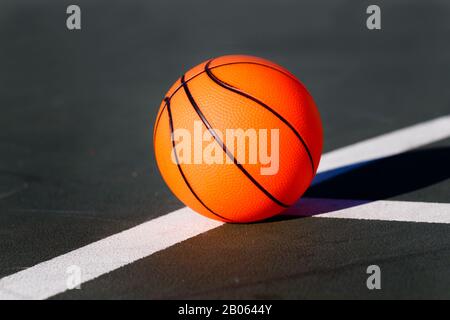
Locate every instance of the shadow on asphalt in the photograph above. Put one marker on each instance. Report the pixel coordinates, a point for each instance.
(379, 179)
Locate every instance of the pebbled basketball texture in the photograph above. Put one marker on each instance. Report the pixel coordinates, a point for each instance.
(246, 92)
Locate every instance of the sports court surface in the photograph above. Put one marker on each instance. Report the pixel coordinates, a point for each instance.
(79, 184)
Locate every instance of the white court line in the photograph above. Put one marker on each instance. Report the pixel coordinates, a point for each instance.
(388, 144)
(424, 212)
(49, 278)
(395, 211)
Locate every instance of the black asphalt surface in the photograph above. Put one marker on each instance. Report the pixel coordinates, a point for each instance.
(76, 161)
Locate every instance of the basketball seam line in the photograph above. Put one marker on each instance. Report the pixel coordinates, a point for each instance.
(221, 65)
(224, 147)
(179, 166)
(229, 87)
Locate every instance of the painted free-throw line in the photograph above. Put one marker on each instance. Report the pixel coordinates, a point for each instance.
(49, 278)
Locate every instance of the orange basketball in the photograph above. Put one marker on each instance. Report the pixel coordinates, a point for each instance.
(238, 138)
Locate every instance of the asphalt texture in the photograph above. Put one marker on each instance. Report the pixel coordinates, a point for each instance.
(77, 110)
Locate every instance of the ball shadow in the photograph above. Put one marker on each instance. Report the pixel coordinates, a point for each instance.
(375, 180)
